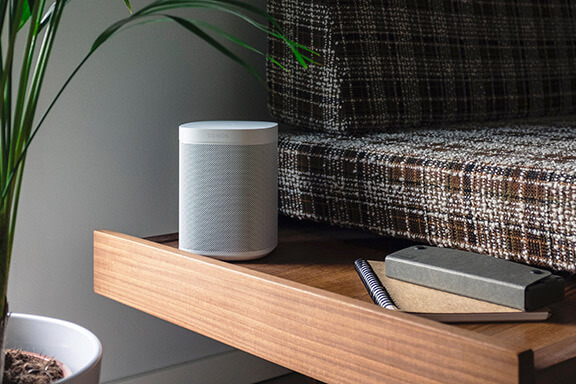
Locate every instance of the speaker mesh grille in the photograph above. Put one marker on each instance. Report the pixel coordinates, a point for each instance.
(228, 197)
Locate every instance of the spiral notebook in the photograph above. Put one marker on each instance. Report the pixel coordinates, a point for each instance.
(434, 304)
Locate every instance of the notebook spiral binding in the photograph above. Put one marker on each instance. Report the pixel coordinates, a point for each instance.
(373, 285)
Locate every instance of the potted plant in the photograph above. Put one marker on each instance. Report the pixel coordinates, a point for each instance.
(23, 68)
(74, 351)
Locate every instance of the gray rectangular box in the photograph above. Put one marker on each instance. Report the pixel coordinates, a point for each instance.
(475, 275)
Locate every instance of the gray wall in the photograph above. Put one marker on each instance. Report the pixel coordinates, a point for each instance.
(107, 157)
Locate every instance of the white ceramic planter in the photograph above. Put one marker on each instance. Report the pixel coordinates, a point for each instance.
(74, 346)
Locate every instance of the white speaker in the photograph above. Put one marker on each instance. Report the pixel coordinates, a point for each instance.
(228, 205)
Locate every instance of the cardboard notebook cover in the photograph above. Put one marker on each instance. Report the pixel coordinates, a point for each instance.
(448, 307)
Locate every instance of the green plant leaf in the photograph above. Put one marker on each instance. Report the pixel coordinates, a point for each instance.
(48, 15)
(215, 44)
(128, 5)
(26, 12)
(236, 40)
(236, 8)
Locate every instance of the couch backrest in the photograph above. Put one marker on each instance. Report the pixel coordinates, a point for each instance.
(419, 63)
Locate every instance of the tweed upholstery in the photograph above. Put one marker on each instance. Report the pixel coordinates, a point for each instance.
(506, 191)
(390, 64)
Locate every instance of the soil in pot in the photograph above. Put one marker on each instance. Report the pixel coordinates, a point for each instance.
(22, 367)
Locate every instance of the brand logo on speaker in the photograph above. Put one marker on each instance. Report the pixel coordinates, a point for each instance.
(218, 135)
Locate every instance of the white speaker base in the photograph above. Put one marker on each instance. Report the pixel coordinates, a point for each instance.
(233, 256)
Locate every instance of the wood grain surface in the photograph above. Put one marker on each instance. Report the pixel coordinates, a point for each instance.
(305, 308)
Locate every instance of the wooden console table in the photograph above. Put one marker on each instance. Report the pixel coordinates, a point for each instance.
(304, 307)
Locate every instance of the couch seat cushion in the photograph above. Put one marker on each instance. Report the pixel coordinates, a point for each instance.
(507, 191)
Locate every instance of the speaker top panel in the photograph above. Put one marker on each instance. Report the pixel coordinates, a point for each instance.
(229, 132)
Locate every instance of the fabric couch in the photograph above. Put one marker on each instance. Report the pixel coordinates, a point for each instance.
(446, 122)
